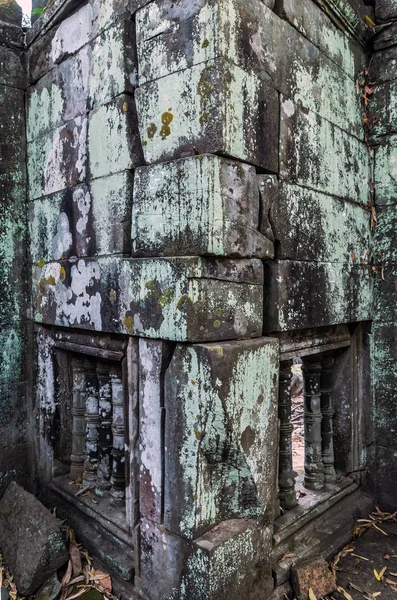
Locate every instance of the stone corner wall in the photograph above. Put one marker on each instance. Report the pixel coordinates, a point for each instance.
(16, 432)
(381, 109)
(198, 178)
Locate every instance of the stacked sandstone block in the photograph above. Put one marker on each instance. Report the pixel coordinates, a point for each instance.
(383, 73)
(14, 407)
(169, 154)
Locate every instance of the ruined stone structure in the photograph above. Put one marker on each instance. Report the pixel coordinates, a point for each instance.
(194, 193)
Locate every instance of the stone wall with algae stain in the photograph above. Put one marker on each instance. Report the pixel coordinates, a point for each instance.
(383, 142)
(16, 457)
(198, 177)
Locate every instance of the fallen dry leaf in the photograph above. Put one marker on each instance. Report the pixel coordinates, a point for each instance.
(343, 591)
(312, 595)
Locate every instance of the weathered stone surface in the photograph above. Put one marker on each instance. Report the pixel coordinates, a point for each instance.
(215, 107)
(114, 63)
(58, 160)
(316, 154)
(247, 34)
(385, 171)
(177, 299)
(23, 517)
(316, 227)
(230, 559)
(200, 205)
(12, 138)
(315, 575)
(11, 70)
(386, 37)
(314, 24)
(224, 468)
(383, 109)
(386, 421)
(385, 10)
(113, 138)
(300, 295)
(98, 72)
(59, 96)
(234, 563)
(88, 220)
(386, 474)
(154, 356)
(10, 11)
(384, 65)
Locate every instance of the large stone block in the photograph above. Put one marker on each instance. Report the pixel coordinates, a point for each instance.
(385, 36)
(385, 249)
(385, 292)
(314, 24)
(384, 65)
(383, 109)
(10, 11)
(300, 295)
(320, 228)
(386, 477)
(214, 107)
(197, 206)
(23, 517)
(113, 138)
(385, 10)
(88, 220)
(58, 160)
(114, 63)
(315, 153)
(154, 357)
(175, 37)
(385, 420)
(230, 561)
(12, 134)
(12, 72)
(182, 299)
(220, 434)
(59, 96)
(385, 171)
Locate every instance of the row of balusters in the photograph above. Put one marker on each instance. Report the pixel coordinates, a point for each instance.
(318, 427)
(98, 431)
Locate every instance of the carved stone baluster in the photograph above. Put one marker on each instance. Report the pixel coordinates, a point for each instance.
(118, 430)
(286, 480)
(105, 427)
(314, 470)
(92, 424)
(77, 457)
(327, 433)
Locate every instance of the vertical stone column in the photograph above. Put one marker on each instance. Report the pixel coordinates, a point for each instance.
(286, 480)
(92, 423)
(78, 413)
(314, 469)
(105, 427)
(118, 431)
(327, 434)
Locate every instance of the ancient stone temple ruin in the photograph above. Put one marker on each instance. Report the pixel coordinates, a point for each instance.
(195, 197)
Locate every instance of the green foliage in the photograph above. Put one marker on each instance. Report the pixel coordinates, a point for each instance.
(38, 11)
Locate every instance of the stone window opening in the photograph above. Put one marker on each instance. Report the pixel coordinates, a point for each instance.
(319, 469)
(98, 433)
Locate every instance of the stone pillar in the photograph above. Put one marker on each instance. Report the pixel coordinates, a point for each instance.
(286, 480)
(314, 469)
(78, 413)
(327, 434)
(92, 423)
(118, 431)
(105, 426)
